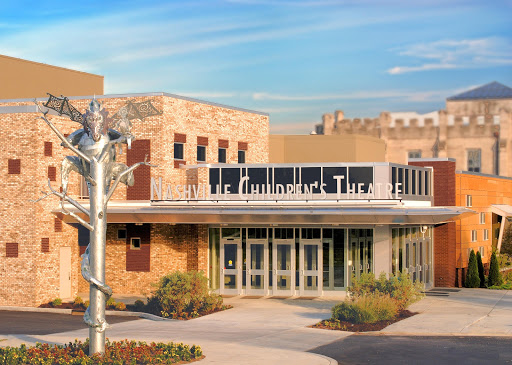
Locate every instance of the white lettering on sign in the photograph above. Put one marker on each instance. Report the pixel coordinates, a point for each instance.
(248, 191)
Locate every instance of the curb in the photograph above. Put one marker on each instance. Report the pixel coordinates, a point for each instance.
(330, 359)
(433, 334)
(151, 317)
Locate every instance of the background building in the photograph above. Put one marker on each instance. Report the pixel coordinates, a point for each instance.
(321, 148)
(475, 129)
(22, 79)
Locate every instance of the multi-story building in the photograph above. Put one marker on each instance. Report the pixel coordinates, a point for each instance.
(475, 129)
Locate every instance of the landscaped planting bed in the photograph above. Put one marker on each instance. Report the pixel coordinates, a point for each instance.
(118, 353)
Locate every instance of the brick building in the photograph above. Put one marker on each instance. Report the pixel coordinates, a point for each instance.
(475, 129)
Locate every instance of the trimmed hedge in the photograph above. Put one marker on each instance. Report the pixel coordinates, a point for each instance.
(117, 352)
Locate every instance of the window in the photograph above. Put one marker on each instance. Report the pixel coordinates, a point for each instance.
(52, 173)
(121, 234)
(496, 119)
(482, 218)
(480, 120)
(482, 251)
(241, 156)
(465, 120)
(474, 235)
(178, 151)
(414, 154)
(135, 243)
(486, 234)
(474, 160)
(469, 201)
(222, 155)
(201, 153)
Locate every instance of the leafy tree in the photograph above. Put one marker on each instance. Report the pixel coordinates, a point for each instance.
(494, 272)
(472, 278)
(480, 269)
(506, 243)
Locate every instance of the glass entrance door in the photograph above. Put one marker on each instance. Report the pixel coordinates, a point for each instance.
(361, 252)
(310, 267)
(231, 269)
(283, 256)
(257, 267)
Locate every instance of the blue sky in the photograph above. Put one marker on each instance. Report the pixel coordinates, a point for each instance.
(293, 59)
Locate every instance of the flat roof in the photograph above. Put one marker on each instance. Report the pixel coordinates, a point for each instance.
(134, 95)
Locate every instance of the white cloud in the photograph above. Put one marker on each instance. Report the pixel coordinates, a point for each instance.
(452, 54)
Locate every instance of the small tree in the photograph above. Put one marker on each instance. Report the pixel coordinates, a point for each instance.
(494, 272)
(506, 243)
(480, 269)
(472, 278)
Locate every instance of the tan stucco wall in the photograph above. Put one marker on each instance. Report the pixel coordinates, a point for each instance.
(322, 148)
(21, 79)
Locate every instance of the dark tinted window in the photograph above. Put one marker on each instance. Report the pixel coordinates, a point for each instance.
(178, 151)
(420, 182)
(407, 181)
(258, 178)
(222, 155)
(427, 187)
(283, 233)
(393, 178)
(241, 156)
(214, 180)
(413, 182)
(283, 176)
(310, 175)
(401, 179)
(201, 153)
(331, 183)
(230, 177)
(256, 233)
(358, 175)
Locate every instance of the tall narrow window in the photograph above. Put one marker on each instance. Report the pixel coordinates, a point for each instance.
(482, 218)
(469, 201)
(178, 151)
(474, 235)
(202, 142)
(241, 156)
(222, 155)
(474, 160)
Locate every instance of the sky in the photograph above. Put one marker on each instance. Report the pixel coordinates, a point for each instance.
(295, 60)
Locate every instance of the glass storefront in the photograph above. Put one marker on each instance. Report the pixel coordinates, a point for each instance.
(309, 261)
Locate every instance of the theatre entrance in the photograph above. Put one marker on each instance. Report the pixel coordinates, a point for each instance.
(280, 261)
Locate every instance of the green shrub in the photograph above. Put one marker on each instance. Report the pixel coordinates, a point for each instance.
(480, 269)
(400, 287)
(369, 308)
(472, 278)
(78, 301)
(117, 352)
(56, 302)
(183, 294)
(494, 278)
(139, 305)
(120, 306)
(111, 303)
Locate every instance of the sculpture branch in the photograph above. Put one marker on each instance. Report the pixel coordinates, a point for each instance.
(60, 135)
(124, 173)
(104, 152)
(66, 198)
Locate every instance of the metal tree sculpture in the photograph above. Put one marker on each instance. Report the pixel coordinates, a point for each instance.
(95, 149)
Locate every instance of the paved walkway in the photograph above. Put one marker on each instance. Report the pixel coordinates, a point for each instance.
(474, 312)
(272, 331)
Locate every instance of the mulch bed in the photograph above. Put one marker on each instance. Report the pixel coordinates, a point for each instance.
(329, 324)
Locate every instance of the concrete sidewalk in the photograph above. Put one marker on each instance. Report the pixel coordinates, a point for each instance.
(255, 331)
(473, 312)
(274, 331)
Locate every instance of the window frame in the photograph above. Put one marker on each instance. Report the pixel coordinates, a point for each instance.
(482, 217)
(486, 235)
(225, 155)
(243, 153)
(469, 200)
(197, 153)
(472, 167)
(415, 152)
(182, 150)
(132, 246)
(474, 235)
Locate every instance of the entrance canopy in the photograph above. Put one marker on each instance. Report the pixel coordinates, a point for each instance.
(271, 212)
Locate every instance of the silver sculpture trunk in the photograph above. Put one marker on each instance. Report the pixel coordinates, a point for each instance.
(97, 252)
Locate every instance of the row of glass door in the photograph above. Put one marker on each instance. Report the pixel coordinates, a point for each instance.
(292, 265)
(283, 274)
